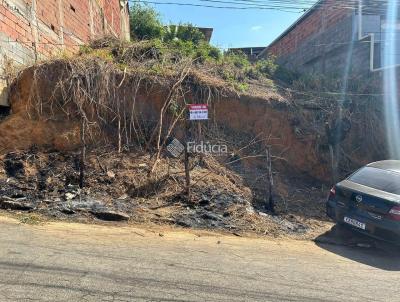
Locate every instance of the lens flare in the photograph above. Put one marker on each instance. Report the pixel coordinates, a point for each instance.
(342, 101)
(389, 81)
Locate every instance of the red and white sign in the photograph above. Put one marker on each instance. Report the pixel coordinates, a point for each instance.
(198, 112)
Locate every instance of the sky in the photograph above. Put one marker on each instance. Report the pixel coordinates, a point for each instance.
(232, 28)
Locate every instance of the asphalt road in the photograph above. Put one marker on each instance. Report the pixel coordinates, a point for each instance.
(73, 262)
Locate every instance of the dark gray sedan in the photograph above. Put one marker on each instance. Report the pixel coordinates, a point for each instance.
(369, 200)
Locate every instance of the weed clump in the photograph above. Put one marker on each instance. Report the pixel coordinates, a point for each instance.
(162, 58)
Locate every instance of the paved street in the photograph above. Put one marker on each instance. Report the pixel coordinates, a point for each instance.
(74, 262)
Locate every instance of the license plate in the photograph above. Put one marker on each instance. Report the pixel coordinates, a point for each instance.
(355, 223)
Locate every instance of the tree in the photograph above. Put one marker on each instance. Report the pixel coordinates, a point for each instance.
(145, 23)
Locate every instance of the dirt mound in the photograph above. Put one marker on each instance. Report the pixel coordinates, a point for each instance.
(19, 132)
(54, 103)
(26, 127)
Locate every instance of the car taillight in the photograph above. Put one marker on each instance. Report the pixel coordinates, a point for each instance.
(394, 213)
(332, 192)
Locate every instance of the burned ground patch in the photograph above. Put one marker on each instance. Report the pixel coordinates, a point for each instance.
(118, 188)
(14, 165)
(4, 112)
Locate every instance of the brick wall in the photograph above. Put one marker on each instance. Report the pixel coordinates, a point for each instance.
(319, 20)
(31, 30)
(325, 51)
(326, 40)
(319, 42)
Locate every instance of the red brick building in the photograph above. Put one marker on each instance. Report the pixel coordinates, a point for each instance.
(334, 34)
(317, 20)
(31, 30)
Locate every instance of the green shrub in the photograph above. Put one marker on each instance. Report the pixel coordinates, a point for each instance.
(184, 48)
(206, 52)
(238, 59)
(145, 22)
(266, 66)
(214, 53)
(183, 32)
(242, 87)
(201, 52)
(162, 47)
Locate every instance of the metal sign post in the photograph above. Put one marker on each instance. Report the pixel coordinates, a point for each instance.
(197, 112)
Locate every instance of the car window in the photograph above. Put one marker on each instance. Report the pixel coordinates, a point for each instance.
(378, 179)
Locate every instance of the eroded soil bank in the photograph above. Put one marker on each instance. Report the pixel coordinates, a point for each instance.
(115, 125)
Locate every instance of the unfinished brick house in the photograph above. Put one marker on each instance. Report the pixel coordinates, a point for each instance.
(334, 34)
(31, 30)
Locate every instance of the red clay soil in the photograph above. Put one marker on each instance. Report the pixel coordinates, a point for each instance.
(295, 134)
(246, 115)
